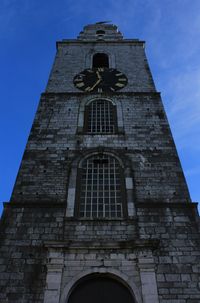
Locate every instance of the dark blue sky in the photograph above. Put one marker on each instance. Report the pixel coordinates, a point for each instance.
(28, 32)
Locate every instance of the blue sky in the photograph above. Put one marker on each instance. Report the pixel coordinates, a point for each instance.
(28, 32)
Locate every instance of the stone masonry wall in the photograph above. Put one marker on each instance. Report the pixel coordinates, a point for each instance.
(55, 142)
(161, 241)
(24, 257)
(100, 230)
(128, 57)
(22, 254)
(178, 257)
(101, 261)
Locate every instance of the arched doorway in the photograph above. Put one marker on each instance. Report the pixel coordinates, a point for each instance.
(100, 289)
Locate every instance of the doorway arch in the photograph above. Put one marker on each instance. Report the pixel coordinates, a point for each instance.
(100, 288)
(115, 274)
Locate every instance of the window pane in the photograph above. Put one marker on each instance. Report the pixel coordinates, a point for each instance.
(101, 188)
(101, 117)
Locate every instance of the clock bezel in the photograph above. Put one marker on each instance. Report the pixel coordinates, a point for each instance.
(100, 80)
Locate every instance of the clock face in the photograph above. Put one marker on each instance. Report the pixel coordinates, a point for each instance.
(100, 80)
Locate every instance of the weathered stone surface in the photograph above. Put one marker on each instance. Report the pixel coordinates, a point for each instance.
(45, 247)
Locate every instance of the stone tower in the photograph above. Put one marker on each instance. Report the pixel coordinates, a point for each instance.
(100, 210)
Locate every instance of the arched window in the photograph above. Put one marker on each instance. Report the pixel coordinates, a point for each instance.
(100, 60)
(100, 117)
(100, 187)
(100, 289)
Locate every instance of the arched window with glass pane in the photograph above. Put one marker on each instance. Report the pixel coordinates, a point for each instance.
(101, 188)
(100, 117)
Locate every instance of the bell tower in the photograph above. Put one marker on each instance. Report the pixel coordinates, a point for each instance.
(100, 211)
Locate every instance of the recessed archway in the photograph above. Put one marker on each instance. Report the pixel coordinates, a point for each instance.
(117, 275)
(100, 289)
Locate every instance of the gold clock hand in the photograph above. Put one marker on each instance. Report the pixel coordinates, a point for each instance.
(95, 84)
(98, 75)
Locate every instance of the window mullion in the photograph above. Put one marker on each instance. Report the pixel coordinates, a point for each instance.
(101, 196)
(100, 117)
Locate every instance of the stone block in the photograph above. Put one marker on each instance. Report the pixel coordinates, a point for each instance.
(172, 277)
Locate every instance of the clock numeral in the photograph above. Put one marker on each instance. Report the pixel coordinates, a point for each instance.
(119, 84)
(78, 79)
(122, 79)
(81, 84)
(99, 79)
(87, 89)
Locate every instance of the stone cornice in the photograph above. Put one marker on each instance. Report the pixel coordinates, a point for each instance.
(55, 204)
(91, 245)
(151, 204)
(100, 42)
(31, 204)
(108, 95)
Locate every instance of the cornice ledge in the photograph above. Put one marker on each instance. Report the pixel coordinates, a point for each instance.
(151, 204)
(117, 41)
(129, 220)
(129, 244)
(102, 95)
(32, 204)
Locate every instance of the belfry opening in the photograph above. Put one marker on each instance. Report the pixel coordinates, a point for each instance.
(100, 60)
